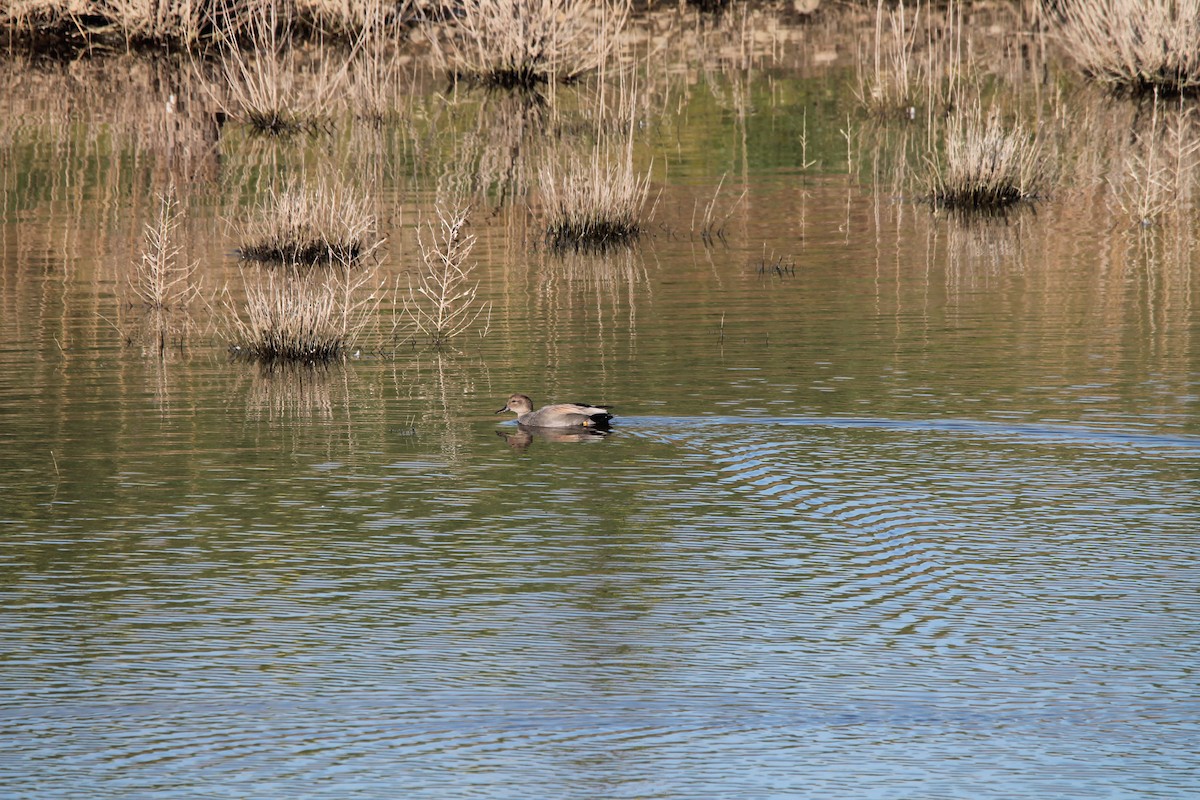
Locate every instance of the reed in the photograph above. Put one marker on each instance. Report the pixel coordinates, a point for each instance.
(160, 22)
(523, 44)
(300, 314)
(594, 201)
(323, 221)
(986, 165)
(1134, 45)
(916, 60)
(443, 304)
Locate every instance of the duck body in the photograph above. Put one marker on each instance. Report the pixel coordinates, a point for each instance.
(558, 415)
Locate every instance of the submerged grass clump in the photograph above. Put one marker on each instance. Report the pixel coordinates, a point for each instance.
(302, 314)
(1135, 45)
(308, 224)
(986, 164)
(594, 201)
(523, 44)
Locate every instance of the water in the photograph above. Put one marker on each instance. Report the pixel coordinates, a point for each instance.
(911, 515)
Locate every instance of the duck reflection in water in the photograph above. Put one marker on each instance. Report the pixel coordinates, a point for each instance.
(524, 435)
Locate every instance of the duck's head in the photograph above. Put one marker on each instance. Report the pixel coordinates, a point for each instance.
(518, 404)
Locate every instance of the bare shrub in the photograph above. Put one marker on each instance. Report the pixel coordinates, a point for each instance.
(324, 221)
(162, 286)
(1137, 45)
(300, 314)
(525, 43)
(986, 164)
(442, 304)
(161, 279)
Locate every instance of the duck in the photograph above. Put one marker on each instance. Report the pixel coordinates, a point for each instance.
(558, 415)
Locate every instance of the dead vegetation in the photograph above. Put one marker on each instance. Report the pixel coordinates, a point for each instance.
(1134, 45)
(162, 285)
(442, 305)
(322, 221)
(986, 164)
(524, 44)
(295, 313)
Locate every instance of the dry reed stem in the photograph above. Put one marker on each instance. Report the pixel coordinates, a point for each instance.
(442, 304)
(299, 314)
(522, 44)
(161, 280)
(986, 165)
(916, 59)
(1137, 45)
(1158, 175)
(325, 221)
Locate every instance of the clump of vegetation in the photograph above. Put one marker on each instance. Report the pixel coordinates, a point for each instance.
(442, 304)
(986, 164)
(67, 26)
(311, 223)
(1135, 45)
(262, 83)
(596, 201)
(300, 314)
(523, 44)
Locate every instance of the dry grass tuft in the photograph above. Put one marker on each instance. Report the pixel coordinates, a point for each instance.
(442, 304)
(300, 314)
(986, 165)
(596, 201)
(263, 83)
(523, 44)
(308, 224)
(1135, 45)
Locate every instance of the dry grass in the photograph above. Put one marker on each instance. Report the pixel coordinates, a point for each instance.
(442, 304)
(986, 165)
(151, 22)
(916, 59)
(192, 24)
(299, 314)
(594, 201)
(264, 85)
(1136, 45)
(523, 44)
(324, 221)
